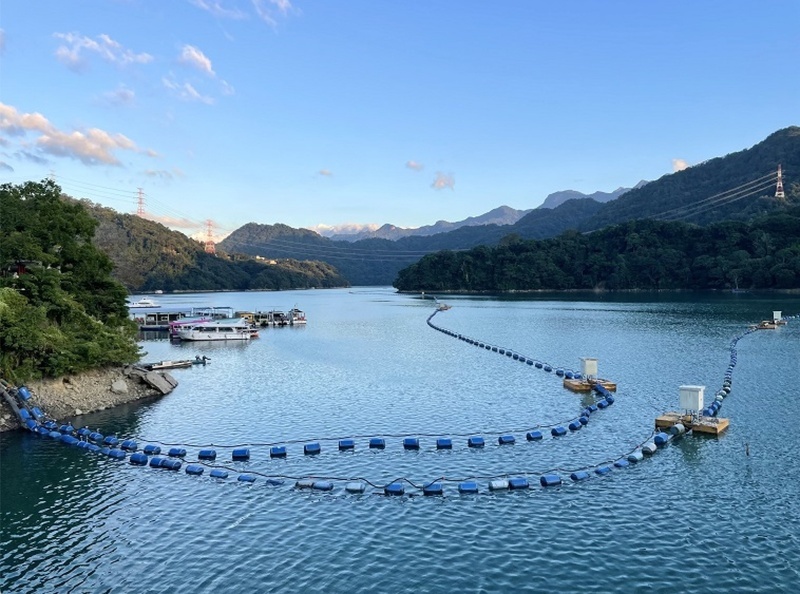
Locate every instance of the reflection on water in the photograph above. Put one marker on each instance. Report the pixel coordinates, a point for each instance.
(368, 365)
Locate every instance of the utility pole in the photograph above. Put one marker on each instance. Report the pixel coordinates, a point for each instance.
(779, 188)
(209, 242)
(140, 204)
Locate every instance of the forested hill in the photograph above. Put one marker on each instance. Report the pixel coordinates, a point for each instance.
(636, 255)
(738, 186)
(147, 256)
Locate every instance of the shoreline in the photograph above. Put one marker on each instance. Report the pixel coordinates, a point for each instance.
(91, 391)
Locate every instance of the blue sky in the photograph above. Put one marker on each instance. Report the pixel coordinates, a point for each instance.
(309, 112)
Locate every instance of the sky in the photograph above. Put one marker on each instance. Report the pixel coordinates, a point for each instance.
(342, 112)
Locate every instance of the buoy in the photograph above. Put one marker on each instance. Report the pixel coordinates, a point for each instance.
(323, 485)
(622, 463)
(277, 452)
(635, 457)
(518, 482)
(649, 448)
(347, 444)
(558, 431)
(312, 448)
(411, 443)
(583, 420)
(602, 403)
(602, 470)
(218, 473)
(539, 365)
(575, 425)
(550, 480)
(432, 489)
(579, 475)
(304, 484)
(239, 454)
(394, 489)
(534, 435)
(171, 464)
(505, 440)
(24, 393)
(548, 368)
(377, 443)
(355, 487)
(138, 459)
(69, 439)
(468, 487)
(498, 485)
(130, 445)
(246, 478)
(176, 452)
(155, 461)
(194, 469)
(661, 439)
(152, 450)
(110, 440)
(677, 429)
(207, 455)
(476, 442)
(444, 443)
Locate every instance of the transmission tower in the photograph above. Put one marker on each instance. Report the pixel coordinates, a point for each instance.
(779, 188)
(209, 242)
(140, 204)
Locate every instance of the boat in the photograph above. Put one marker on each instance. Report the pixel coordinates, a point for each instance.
(234, 329)
(176, 325)
(167, 364)
(442, 307)
(159, 319)
(144, 302)
(297, 317)
(272, 317)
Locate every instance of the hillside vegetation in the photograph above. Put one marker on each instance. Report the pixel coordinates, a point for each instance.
(61, 312)
(636, 255)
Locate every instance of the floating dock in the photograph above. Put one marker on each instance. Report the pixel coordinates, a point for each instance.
(710, 425)
(584, 385)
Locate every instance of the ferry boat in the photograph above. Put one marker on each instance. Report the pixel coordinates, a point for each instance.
(297, 317)
(235, 329)
(144, 302)
(274, 317)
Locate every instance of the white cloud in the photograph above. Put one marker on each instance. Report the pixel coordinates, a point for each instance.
(72, 52)
(122, 96)
(326, 172)
(172, 221)
(186, 92)
(216, 8)
(443, 180)
(163, 174)
(226, 88)
(92, 147)
(268, 10)
(415, 165)
(679, 165)
(193, 57)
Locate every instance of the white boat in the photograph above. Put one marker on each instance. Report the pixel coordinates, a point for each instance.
(144, 302)
(297, 317)
(218, 330)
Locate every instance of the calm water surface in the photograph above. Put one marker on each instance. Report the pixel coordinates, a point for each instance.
(699, 516)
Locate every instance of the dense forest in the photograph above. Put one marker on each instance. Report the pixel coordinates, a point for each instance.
(147, 257)
(736, 187)
(636, 255)
(60, 310)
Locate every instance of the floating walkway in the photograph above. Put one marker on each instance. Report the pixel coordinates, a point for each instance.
(173, 457)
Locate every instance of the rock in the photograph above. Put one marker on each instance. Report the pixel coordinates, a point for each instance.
(119, 387)
(160, 382)
(78, 412)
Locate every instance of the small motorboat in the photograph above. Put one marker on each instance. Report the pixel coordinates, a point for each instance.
(144, 302)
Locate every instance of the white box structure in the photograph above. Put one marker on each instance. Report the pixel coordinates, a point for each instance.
(691, 397)
(589, 366)
(776, 316)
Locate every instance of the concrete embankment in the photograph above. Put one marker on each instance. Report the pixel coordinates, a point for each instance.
(75, 395)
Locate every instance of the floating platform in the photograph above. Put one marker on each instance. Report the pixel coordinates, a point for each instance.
(584, 385)
(710, 425)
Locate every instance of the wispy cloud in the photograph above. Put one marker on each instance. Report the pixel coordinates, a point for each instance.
(217, 9)
(679, 165)
(269, 10)
(415, 165)
(121, 96)
(6, 167)
(325, 172)
(163, 174)
(443, 180)
(173, 221)
(92, 146)
(185, 91)
(2, 41)
(73, 52)
(29, 156)
(192, 56)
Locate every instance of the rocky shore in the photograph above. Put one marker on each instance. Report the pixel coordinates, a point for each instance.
(72, 396)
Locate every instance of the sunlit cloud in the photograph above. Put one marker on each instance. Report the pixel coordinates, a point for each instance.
(325, 172)
(216, 8)
(193, 57)
(6, 167)
(679, 165)
(344, 228)
(185, 91)
(443, 180)
(415, 165)
(269, 10)
(172, 221)
(92, 146)
(72, 53)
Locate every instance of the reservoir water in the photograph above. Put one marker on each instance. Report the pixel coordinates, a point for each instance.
(701, 515)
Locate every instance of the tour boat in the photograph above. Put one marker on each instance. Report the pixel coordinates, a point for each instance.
(236, 329)
(144, 302)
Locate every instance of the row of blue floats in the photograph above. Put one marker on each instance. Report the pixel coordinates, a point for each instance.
(561, 372)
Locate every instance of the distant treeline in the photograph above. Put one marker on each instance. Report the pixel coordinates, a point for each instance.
(637, 255)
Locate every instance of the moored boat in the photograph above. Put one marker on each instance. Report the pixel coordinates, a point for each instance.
(235, 329)
(144, 302)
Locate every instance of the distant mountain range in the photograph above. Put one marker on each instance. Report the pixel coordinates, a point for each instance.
(738, 186)
(556, 199)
